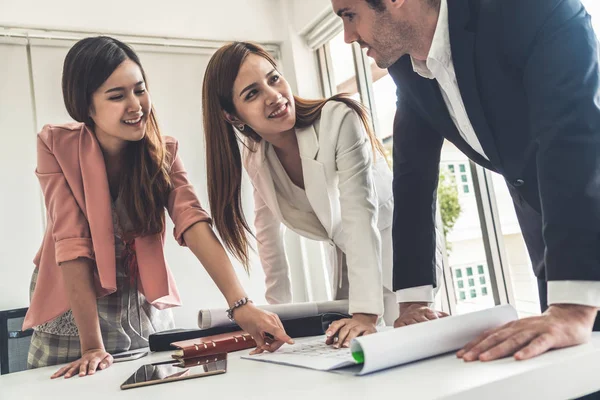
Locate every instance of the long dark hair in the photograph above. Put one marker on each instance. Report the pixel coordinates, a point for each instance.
(145, 181)
(224, 162)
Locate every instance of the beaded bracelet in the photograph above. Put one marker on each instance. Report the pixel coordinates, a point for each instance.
(235, 305)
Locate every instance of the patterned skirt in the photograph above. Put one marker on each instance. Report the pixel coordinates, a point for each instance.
(126, 321)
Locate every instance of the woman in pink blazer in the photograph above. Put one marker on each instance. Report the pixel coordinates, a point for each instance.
(101, 283)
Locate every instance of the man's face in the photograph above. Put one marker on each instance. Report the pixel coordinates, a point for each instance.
(384, 33)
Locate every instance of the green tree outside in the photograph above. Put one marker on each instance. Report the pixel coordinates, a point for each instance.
(447, 195)
(450, 210)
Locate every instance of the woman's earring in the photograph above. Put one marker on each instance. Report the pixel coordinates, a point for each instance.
(241, 127)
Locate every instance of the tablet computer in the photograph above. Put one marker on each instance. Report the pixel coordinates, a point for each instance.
(129, 356)
(176, 370)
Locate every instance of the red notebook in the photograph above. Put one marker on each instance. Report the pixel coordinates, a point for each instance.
(209, 345)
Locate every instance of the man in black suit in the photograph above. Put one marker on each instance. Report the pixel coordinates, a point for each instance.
(514, 84)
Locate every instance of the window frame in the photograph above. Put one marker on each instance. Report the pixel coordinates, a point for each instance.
(479, 183)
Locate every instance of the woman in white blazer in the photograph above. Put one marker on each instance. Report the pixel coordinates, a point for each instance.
(316, 168)
(347, 202)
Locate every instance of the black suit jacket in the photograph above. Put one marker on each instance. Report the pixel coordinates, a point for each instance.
(529, 77)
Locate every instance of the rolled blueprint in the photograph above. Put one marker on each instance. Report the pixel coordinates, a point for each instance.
(210, 318)
(416, 342)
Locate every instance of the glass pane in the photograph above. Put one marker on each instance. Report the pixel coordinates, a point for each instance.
(593, 8)
(384, 99)
(464, 241)
(342, 70)
(482, 280)
(471, 282)
(462, 229)
(473, 293)
(524, 283)
(484, 291)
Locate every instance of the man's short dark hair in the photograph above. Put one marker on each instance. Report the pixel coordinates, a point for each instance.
(377, 5)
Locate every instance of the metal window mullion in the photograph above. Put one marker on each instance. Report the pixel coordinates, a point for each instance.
(492, 235)
(330, 70)
(364, 83)
(35, 123)
(325, 70)
(447, 285)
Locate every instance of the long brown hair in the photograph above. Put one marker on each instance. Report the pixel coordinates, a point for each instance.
(223, 158)
(145, 182)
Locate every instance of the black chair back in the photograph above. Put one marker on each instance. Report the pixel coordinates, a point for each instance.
(14, 343)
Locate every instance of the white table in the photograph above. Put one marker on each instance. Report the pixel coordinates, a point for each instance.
(559, 374)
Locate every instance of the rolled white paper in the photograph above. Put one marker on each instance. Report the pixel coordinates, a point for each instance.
(210, 318)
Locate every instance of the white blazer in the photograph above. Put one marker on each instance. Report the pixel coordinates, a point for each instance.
(351, 196)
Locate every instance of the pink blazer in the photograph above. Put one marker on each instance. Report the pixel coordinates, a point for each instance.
(72, 174)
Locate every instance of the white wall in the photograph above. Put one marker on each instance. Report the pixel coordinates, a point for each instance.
(306, 12)
(203, 19)
(21, 222)
(300, 62)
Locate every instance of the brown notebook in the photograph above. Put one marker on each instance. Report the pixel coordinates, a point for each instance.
(209, 345)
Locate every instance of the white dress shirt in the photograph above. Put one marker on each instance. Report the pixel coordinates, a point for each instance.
(439, 66)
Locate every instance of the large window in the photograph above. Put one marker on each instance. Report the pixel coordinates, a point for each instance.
(486, 259)
(346, 69)
(484, 234)
(342, 71)
(384, 100)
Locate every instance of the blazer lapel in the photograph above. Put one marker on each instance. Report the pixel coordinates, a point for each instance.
(461, 19)
(428, 99)
(315, 179)
(450, 131)
(156, 281)
(259, 173)
(434, 101)
(98, 207)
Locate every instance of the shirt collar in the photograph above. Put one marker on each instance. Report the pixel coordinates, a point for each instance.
(440, 52)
